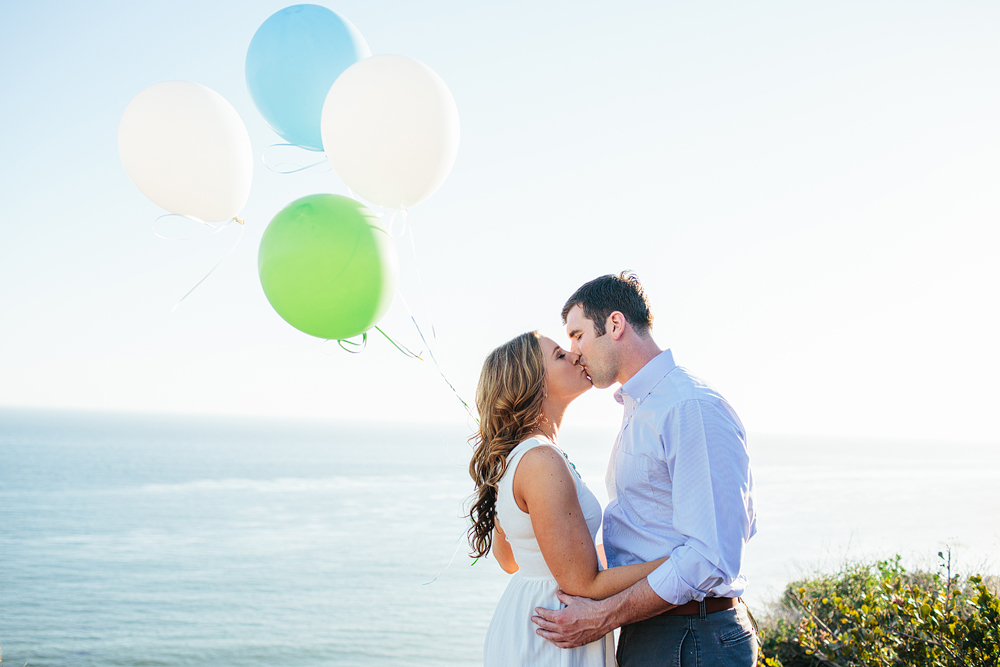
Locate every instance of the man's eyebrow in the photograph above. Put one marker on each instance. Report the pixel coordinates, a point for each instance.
(574, 332)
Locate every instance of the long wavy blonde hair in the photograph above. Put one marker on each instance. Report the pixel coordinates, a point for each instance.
(509, 398)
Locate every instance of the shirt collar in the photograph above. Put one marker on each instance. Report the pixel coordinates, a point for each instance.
(643, 382)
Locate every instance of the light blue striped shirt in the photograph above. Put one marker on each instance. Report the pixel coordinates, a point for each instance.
(680, 484)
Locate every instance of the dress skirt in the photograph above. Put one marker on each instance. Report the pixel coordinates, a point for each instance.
(511, 640)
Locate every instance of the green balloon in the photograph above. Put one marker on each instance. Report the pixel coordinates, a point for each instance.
(327, 267)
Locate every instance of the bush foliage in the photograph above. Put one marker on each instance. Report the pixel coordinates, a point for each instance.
(881, 615)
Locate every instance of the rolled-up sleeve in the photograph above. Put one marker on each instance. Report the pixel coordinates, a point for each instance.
(705, 455)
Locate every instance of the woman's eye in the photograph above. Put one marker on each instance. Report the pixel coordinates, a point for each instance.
(561, 355)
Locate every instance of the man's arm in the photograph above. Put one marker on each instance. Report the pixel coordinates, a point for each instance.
(583, 621)
(712, 496)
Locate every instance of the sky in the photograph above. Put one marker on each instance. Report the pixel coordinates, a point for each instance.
(808, 191)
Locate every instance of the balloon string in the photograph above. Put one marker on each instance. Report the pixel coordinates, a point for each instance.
(219, 263)
(390, 223)
(346, 344)
(292, 168)
(416, 269)
(430, 352)
(427, 346)
(423, 295)
(356, 347)
(402, 348)
(217, 228)
(454, 553)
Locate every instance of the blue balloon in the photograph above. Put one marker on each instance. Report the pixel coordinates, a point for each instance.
(293, 59)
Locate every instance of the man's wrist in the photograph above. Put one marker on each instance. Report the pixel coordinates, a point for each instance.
(635, 604)
(611, 611)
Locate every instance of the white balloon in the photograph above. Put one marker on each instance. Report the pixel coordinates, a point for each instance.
(185, 147)
(390, 130)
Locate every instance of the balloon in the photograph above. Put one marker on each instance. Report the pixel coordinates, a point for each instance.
(293, 59)
(185, 147)
(327, 266)
(390, 130)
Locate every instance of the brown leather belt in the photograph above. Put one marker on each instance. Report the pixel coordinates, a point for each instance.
(712, 605)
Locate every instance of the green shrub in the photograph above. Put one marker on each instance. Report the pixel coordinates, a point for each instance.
(881, 615)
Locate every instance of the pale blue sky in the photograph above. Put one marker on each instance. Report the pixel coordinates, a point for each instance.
(809, 192)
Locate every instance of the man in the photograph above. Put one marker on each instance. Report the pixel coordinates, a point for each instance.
(679, 483)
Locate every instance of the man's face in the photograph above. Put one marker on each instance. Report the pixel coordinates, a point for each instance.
(596, 353)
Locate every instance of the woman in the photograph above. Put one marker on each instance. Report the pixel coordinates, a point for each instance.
(531, 509)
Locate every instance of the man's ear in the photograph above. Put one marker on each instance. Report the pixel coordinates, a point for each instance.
(616, 325)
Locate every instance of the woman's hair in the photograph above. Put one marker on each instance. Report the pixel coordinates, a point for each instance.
(509, 398)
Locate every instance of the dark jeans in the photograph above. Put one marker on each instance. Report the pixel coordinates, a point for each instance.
(723, 639)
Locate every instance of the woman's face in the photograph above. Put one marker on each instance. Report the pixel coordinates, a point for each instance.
(565, 378)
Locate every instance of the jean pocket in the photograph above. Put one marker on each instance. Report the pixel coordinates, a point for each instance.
(736, 636)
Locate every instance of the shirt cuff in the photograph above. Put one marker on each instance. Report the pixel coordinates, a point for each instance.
(666, 582)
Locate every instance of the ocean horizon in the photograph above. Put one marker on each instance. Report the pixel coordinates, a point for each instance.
(177, 540)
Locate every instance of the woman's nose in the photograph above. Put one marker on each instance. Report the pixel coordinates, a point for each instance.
(576, 358)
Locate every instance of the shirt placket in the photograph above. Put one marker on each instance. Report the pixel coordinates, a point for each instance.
(611, 477)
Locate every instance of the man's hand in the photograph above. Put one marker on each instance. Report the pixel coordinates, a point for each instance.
(582, 621)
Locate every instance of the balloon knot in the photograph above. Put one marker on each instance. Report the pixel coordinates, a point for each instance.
(239, 220)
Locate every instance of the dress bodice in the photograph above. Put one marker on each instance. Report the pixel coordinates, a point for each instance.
(517, 524)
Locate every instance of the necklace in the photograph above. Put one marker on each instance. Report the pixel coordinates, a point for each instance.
(571, 464)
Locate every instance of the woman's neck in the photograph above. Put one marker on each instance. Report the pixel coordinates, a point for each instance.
(552, 416)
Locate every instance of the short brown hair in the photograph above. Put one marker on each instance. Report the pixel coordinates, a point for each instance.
(602, 296)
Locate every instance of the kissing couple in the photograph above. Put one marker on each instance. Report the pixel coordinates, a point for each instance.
(681, 507)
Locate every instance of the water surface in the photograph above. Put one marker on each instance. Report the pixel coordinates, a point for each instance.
(168, 541)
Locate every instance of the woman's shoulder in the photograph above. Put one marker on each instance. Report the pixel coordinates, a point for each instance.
(532, 444)
(541, 469)
(529, 449)
(539, 454)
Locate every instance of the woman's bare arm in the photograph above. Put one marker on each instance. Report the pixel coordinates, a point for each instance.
(502, 551)
(544, 488)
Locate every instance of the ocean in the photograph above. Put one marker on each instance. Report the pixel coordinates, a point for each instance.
(168, 541)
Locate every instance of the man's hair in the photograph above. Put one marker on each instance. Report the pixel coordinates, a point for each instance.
(602, 296)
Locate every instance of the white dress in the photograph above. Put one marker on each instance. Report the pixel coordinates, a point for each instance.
(511, 640)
